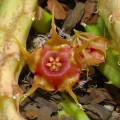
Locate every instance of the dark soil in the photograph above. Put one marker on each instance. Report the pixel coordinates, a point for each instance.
(101, 101)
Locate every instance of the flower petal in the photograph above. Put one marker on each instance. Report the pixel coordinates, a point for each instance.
(91, 51)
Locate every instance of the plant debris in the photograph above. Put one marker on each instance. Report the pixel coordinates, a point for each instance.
(90, 14)
(60, 12)
(73, 17)
(100, 111)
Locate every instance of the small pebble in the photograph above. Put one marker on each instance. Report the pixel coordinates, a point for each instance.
(31, 114)
(109, 107)
(118, 109)
(115, 116)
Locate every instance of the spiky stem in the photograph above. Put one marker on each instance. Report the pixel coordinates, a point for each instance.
(16, 17)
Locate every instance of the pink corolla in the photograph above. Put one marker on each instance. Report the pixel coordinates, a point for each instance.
(57, 64)
(89, 49)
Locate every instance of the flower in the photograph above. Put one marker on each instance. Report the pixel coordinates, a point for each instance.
(57, 64)
(89, 49)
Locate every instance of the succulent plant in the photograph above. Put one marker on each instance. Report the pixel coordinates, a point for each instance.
(15, 22)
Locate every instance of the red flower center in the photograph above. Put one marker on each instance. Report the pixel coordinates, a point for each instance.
(55, 64)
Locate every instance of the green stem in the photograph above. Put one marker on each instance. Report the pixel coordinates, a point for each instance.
(109, 11)
(71, 109)
(110, 68)
(15, 22)
(42, 24)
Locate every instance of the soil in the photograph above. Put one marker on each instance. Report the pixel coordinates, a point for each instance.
(101, 101)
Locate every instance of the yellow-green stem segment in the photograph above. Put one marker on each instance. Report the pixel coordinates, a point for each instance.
(16, 17)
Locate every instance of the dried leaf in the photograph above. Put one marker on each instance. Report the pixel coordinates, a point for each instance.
(60, 13)
(99, 95)
(90, 9)
(99, 110)
(73, 17)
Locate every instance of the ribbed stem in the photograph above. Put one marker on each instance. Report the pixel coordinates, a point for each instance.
(16, 17)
